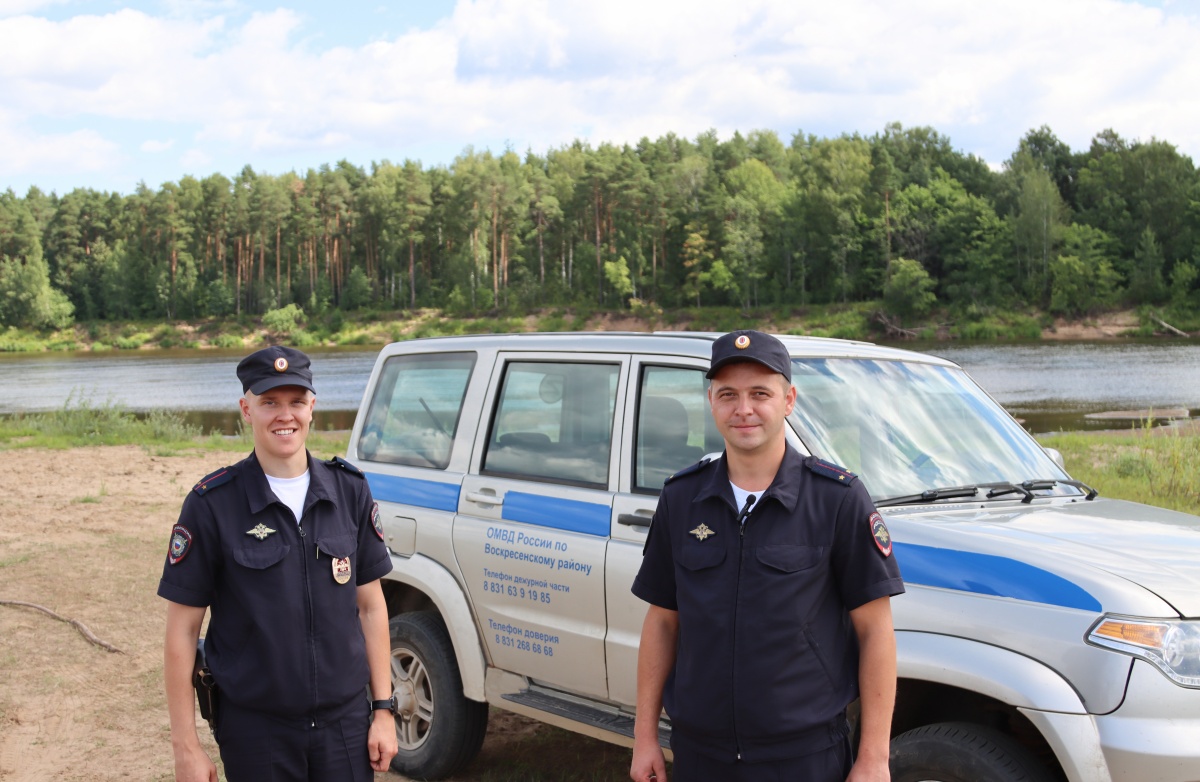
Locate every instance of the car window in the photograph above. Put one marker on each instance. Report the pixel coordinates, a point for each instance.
(674, 428)
(414, 413)
(554, 422)
(908, 426)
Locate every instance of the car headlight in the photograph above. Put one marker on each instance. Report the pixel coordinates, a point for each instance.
(1173, 646)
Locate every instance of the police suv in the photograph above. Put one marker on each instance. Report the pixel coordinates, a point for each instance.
(1047, 633)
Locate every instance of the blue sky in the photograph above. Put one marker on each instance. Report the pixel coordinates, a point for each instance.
(100, 94)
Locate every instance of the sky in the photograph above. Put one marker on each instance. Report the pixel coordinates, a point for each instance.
(105, 95)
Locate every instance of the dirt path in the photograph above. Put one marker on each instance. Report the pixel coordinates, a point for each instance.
(83, 532)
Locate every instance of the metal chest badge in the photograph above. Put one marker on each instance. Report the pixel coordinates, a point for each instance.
(341, 569)
(702, 532)
(261, 531)
(879, 531)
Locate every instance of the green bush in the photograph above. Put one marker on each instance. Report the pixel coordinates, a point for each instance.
(908, 293)
(229, 341)
(284, 321)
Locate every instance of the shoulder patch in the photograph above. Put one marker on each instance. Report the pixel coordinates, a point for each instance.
(181, 544)
(213, 480)
(690, 469)
(338, 461)
(830, 470)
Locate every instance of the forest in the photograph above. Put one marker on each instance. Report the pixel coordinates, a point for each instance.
(900, 217)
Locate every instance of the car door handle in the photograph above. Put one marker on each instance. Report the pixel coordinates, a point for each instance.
(633, 520)
(484, 498)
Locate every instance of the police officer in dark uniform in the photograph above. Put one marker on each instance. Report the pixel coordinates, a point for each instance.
(287, 552)
(769, 577)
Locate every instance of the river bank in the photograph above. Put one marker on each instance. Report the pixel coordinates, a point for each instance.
(860, 321)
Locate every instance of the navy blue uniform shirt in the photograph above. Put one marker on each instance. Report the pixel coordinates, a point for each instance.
(284, 635)
(767, 658)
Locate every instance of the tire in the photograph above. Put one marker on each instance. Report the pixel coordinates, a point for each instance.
(962, 752)
(438, 729)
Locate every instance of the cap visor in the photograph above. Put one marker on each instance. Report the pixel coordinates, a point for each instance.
(263, 386)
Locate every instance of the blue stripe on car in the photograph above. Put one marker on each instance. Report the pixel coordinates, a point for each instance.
(413, 491)
(987, 574)
(570, 515)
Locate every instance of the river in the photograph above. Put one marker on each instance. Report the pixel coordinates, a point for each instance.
(1048, 385)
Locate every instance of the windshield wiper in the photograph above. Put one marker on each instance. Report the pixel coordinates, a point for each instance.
(929, 495)
(1029, 487)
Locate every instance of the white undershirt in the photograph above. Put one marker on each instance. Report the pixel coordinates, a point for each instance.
(740, 495)
(291, 492)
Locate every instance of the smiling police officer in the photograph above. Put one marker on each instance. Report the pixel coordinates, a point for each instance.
(769, 576)
(287, 552)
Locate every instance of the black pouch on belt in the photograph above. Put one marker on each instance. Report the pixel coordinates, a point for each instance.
(206, 688)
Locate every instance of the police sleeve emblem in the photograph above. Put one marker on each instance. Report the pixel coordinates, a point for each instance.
(375, 521)
(181, 544)
(879, 531)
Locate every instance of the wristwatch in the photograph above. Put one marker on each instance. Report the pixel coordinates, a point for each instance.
(388, 705)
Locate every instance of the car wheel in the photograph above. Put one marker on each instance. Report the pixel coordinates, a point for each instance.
(962, 752)
(438, 729)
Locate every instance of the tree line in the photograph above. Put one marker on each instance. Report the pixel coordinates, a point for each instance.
(900, 216)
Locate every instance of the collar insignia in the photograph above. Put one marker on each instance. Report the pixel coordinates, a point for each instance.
(702, 532)
(260, 532)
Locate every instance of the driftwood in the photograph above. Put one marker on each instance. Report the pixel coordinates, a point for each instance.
(80, 626)
(1169, 327)
(894, 329)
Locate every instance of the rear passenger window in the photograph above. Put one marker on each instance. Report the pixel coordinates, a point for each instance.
(675, 428)
(414, 414)
(554, 422)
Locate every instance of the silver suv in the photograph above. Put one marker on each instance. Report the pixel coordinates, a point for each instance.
(1046, 634)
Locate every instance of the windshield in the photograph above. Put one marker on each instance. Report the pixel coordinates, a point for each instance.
(906, 427)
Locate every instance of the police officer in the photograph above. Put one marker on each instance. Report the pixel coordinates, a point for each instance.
(769, 577)
(287, 551)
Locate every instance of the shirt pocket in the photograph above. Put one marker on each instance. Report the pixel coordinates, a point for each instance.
(260, 557)
(338, 546)
(789, 558)
(702, 580)
(700, 557)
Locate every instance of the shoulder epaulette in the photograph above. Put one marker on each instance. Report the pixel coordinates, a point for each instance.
(338, 461)
(700, 465)
(213, 480)
(832, 471)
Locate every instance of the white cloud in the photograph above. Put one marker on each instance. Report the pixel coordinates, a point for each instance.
(80, 151)
(541, 73)
(153, 146)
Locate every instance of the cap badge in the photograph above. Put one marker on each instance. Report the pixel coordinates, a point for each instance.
(281, 364)
(260, 532)
(341, 569)
(742, 342)
(702, 532)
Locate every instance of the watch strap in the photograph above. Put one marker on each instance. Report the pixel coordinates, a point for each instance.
(387, 705)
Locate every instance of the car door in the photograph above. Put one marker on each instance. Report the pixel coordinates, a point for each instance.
(534, 516)
(667, 427)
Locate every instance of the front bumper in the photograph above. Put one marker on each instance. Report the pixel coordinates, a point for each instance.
(1155, 734)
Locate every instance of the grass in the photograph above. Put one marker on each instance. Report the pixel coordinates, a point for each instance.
(1153, 466)
(166, 432)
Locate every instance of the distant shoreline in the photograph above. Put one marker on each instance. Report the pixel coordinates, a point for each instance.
(337, 329)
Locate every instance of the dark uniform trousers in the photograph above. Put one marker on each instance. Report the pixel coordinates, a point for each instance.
(827, 765)
(257, 747)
